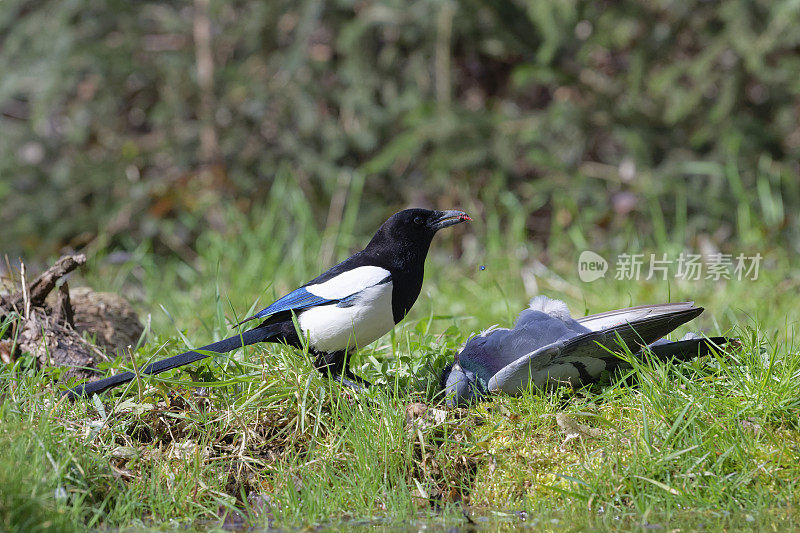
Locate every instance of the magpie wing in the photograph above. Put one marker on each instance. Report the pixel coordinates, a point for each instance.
(327, 289)
(296, 300)
(583, 357)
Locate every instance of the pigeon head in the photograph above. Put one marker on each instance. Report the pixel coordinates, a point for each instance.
(461, 386)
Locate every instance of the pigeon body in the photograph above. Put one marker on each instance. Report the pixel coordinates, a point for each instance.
(548, 347)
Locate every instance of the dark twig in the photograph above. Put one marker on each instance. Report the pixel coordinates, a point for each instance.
(35, 293)
(62, 312)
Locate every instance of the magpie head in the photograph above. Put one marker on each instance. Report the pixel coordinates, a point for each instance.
(420, 225)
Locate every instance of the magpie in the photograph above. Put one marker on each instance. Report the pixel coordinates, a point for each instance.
(346, 308)
(548, 347)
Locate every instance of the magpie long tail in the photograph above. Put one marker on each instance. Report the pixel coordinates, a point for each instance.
(246, 338)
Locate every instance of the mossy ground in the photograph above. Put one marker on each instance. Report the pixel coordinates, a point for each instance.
(260, 438)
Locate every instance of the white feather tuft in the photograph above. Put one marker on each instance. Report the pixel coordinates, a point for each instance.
(490, 329)
(554, 308)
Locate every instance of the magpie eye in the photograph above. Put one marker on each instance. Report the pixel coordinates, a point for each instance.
(418, 220)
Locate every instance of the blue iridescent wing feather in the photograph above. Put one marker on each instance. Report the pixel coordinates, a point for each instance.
(341, 288)
(294, 301)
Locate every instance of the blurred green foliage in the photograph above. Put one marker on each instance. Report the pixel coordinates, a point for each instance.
(131, 121)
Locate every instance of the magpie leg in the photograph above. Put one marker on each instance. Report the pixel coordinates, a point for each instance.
(335, 365)
(330, 363)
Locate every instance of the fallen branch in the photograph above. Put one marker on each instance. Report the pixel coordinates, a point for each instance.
(38, 290)
(50, 329)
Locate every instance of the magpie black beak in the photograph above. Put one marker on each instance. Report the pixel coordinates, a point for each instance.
(444, 219)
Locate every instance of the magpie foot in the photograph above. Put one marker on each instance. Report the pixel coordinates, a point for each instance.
(351, 384)
(358, 379)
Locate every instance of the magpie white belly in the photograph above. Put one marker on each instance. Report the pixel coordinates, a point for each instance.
(330, 328)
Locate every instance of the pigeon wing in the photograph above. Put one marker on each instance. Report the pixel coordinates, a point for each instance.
(686, 349)
(582, 358)
(609, 319)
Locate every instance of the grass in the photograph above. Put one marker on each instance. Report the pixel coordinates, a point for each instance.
(266, 441)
